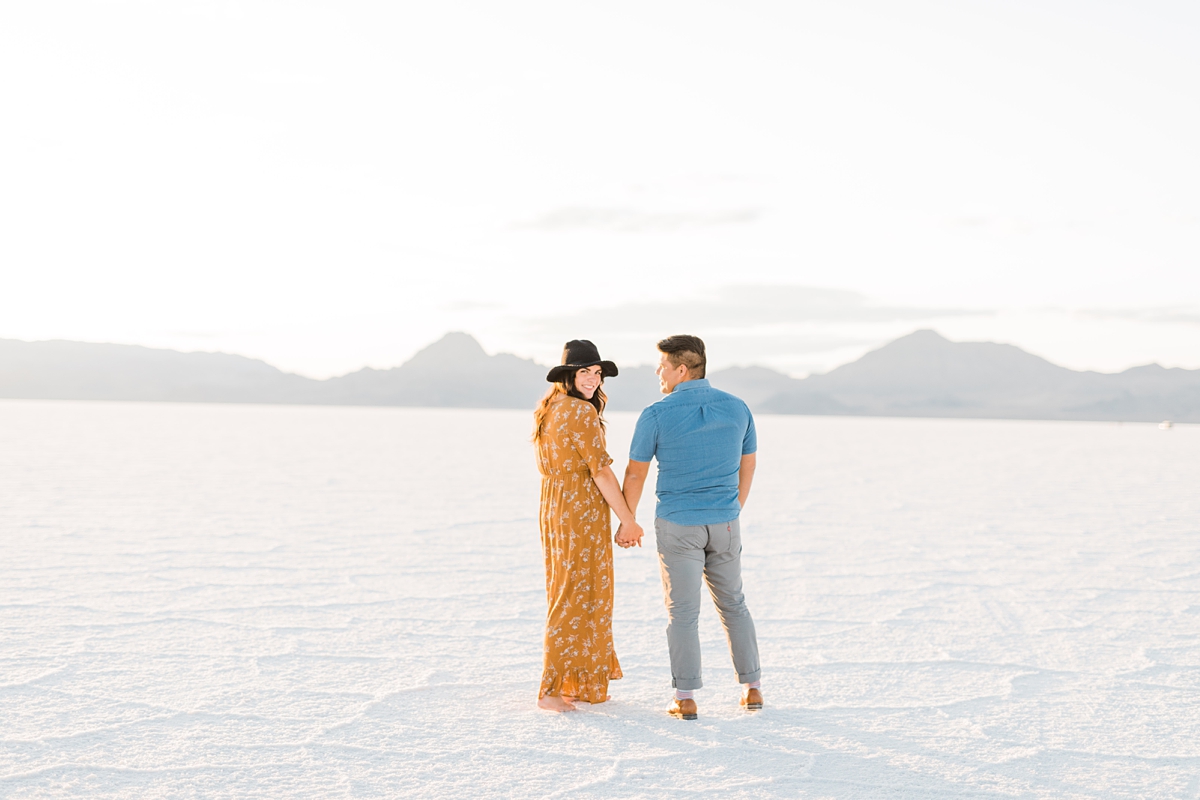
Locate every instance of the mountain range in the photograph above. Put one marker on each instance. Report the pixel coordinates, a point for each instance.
(919, 375)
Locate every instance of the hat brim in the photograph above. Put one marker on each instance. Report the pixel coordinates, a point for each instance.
(607, 370)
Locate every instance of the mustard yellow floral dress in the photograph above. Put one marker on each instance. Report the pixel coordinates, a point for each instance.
(577, 543)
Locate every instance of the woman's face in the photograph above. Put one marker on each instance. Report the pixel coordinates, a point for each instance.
(587, 380)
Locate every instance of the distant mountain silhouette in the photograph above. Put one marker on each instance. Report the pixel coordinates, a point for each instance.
(919, 375)
(59, 370)
(452, 372)
(925, 375)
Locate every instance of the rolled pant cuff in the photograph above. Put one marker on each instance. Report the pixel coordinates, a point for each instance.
(686, 684)
(750, 677)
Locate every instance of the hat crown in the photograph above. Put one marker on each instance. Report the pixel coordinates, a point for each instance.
(580, 351)
(578, 354)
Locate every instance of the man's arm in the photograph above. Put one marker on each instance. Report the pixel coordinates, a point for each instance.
(628, 531)
(635, 482)
(745, 478)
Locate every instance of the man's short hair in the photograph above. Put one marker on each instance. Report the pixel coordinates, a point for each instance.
(687, 350)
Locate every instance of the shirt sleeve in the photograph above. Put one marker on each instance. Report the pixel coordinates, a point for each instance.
(587, 437)
(750, 439)
(645, 437)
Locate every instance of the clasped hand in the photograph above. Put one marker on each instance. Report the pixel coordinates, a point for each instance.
(629, 534)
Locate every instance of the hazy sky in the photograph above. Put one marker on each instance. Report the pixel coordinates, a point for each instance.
(328, 185)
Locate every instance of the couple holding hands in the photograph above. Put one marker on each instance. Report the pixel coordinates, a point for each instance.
(705, 443)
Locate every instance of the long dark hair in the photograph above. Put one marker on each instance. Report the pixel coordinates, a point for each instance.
(566, 386)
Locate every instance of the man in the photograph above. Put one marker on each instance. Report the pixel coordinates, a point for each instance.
(705, 444)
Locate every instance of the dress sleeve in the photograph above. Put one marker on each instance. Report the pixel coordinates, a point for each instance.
(587, 437)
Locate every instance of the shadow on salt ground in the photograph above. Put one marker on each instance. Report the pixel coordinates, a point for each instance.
(465, 739)
(456, 740)
(626, 750)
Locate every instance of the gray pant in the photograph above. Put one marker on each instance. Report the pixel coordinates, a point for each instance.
(686, 553)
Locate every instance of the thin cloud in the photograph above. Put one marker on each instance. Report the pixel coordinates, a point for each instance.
(633, 221)
(1162, 315)
(195, 334)
(745, 347)
(746, 308)
(471, 305)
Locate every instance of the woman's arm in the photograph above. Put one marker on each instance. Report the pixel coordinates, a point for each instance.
(606, 482)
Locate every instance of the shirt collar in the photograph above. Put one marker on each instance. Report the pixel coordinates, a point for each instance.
(698, 383)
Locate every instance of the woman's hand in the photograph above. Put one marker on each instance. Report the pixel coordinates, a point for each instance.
(629, 534)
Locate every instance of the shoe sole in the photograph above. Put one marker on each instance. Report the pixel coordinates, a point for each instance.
(684, 716)
(753, 706)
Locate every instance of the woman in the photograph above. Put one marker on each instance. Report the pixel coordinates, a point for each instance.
(576, 483)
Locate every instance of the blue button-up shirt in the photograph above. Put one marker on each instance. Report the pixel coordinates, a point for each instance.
(699, 435)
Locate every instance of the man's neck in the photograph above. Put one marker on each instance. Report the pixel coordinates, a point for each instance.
(684, 382)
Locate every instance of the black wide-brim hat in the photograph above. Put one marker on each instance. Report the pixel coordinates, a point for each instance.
(577, 354)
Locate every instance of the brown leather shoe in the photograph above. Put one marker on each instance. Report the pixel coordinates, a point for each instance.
(683, 709)
(753, 700)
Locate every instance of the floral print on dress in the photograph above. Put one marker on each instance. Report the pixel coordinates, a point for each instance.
(577, 543)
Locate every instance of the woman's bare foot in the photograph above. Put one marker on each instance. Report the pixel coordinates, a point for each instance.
(557, 704)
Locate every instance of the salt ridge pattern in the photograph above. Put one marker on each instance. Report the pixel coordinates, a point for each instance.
(206, 601)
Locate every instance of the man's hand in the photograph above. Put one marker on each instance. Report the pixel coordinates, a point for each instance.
(629, 534)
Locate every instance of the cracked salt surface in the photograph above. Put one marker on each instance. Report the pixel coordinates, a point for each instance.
(229, 601)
